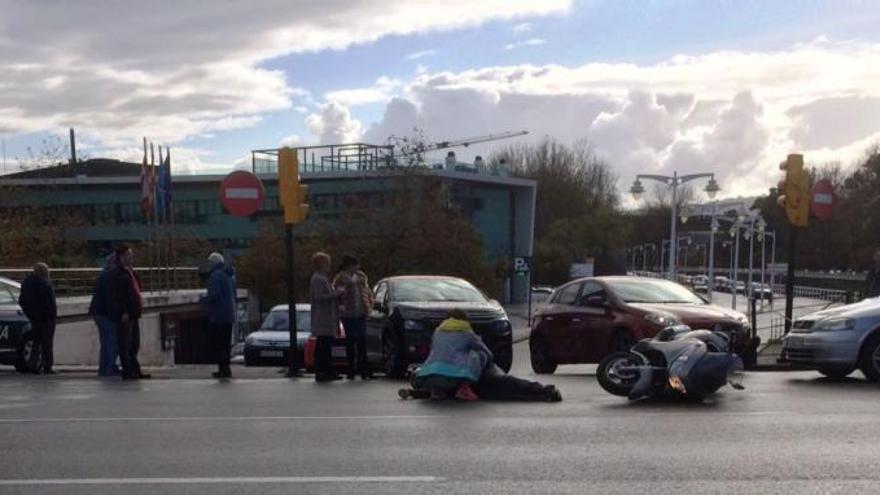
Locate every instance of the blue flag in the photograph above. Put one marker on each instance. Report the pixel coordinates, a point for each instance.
(163, 194)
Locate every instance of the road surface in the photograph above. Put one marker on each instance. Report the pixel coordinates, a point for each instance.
(788, 433)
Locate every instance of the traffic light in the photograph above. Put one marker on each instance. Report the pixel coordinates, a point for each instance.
(293, 195)
(794, 191)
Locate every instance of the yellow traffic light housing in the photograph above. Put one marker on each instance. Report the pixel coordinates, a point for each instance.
(293, 195)
(794, 191)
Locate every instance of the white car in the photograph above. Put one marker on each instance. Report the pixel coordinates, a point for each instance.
(838, 341)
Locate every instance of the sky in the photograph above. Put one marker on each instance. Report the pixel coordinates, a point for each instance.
(728, 87)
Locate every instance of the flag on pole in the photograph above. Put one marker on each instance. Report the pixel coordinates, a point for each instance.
(147, 181)
(163, 193)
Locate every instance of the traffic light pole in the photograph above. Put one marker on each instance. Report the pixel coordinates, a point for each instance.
(789, 278)
(293, 361)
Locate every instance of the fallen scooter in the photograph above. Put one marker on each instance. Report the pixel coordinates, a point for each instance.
(678, 361)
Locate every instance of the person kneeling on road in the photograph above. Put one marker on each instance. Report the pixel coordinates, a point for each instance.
(456, 361)
(459, 361)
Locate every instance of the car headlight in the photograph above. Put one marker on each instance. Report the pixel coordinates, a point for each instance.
(661, 319)
(501, 326)
(249, 340)
(413, 325)
(742, 319)
(836, 324)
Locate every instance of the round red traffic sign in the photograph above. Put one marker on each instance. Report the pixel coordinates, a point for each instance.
(822, 199)
(242, 193)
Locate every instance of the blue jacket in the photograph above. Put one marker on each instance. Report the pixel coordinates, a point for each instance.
(456, 352)
(101, 304)
(221, 295)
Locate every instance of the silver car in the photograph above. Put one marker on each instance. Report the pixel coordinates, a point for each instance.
(270, 345)
(838, 341)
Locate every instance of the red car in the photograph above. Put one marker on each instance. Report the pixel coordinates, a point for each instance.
(589, 318)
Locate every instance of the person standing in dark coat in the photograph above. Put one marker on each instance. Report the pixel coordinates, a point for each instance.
(126, 308)
(221, 311)
(325, 316)
(356, 302)
(99, 310)
(37, 300)
(873, 279)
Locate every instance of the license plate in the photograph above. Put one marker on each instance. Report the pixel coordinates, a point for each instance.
(338, 352)
(795, 342)
(274, 354)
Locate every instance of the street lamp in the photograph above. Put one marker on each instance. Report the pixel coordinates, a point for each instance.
(674, 181)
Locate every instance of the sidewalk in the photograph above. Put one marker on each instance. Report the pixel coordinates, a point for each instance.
(519, 320)
(187, 372)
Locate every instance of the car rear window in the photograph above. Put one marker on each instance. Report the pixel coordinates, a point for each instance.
(568, 294)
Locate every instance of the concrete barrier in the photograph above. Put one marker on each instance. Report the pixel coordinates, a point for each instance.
(76, 335)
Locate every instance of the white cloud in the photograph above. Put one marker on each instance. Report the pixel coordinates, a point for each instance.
(420, 54)
(333, 124)
(521, 28)
(291, 141)
(173, 70)
(734, 113)
(524, 43)
(379, 92)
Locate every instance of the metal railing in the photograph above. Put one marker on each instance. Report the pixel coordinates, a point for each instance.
(71, 282)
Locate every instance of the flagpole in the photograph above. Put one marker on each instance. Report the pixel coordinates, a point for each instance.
(146, 211)
(157, 277)
(170, 205)
(160, 214)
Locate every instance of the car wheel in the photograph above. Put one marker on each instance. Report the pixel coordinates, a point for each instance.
(542, 363)
(869, 362)
(836, 372)
(621, 341)
(615, 380)
(25, 350)
(393, 362)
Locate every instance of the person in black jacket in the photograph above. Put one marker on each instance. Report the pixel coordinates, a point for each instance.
(125, 308)
(873, 280)
(37, 300)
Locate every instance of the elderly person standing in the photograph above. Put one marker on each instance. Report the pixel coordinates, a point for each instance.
(101, 312)
(357, 299)
(221, 311)
(37, 300)
(126, 309)
(325, 315)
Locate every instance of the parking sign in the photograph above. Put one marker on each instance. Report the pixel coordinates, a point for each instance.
(522, 265)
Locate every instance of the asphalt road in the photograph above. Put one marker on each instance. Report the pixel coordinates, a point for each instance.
(787, 433)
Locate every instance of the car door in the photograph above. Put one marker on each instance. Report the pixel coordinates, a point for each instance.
(558, 332)
(593, 321)
(12, 322)
(376, 321)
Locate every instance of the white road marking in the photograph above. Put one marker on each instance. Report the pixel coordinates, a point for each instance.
(213, 418)
(223, 480)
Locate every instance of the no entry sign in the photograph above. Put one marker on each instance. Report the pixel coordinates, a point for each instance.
(822, 199)
(242, 193)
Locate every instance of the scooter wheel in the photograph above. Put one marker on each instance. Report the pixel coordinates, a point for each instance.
(614, 380)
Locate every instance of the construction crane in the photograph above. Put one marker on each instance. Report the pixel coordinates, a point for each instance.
(417, 145)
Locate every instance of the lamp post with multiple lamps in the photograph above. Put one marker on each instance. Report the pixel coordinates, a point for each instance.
(674, 182)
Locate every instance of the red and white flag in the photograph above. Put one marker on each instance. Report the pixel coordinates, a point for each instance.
(148, 185)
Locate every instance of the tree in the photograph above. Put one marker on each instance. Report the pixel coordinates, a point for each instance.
(576, 200)
(413, 231)
(47, 233)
